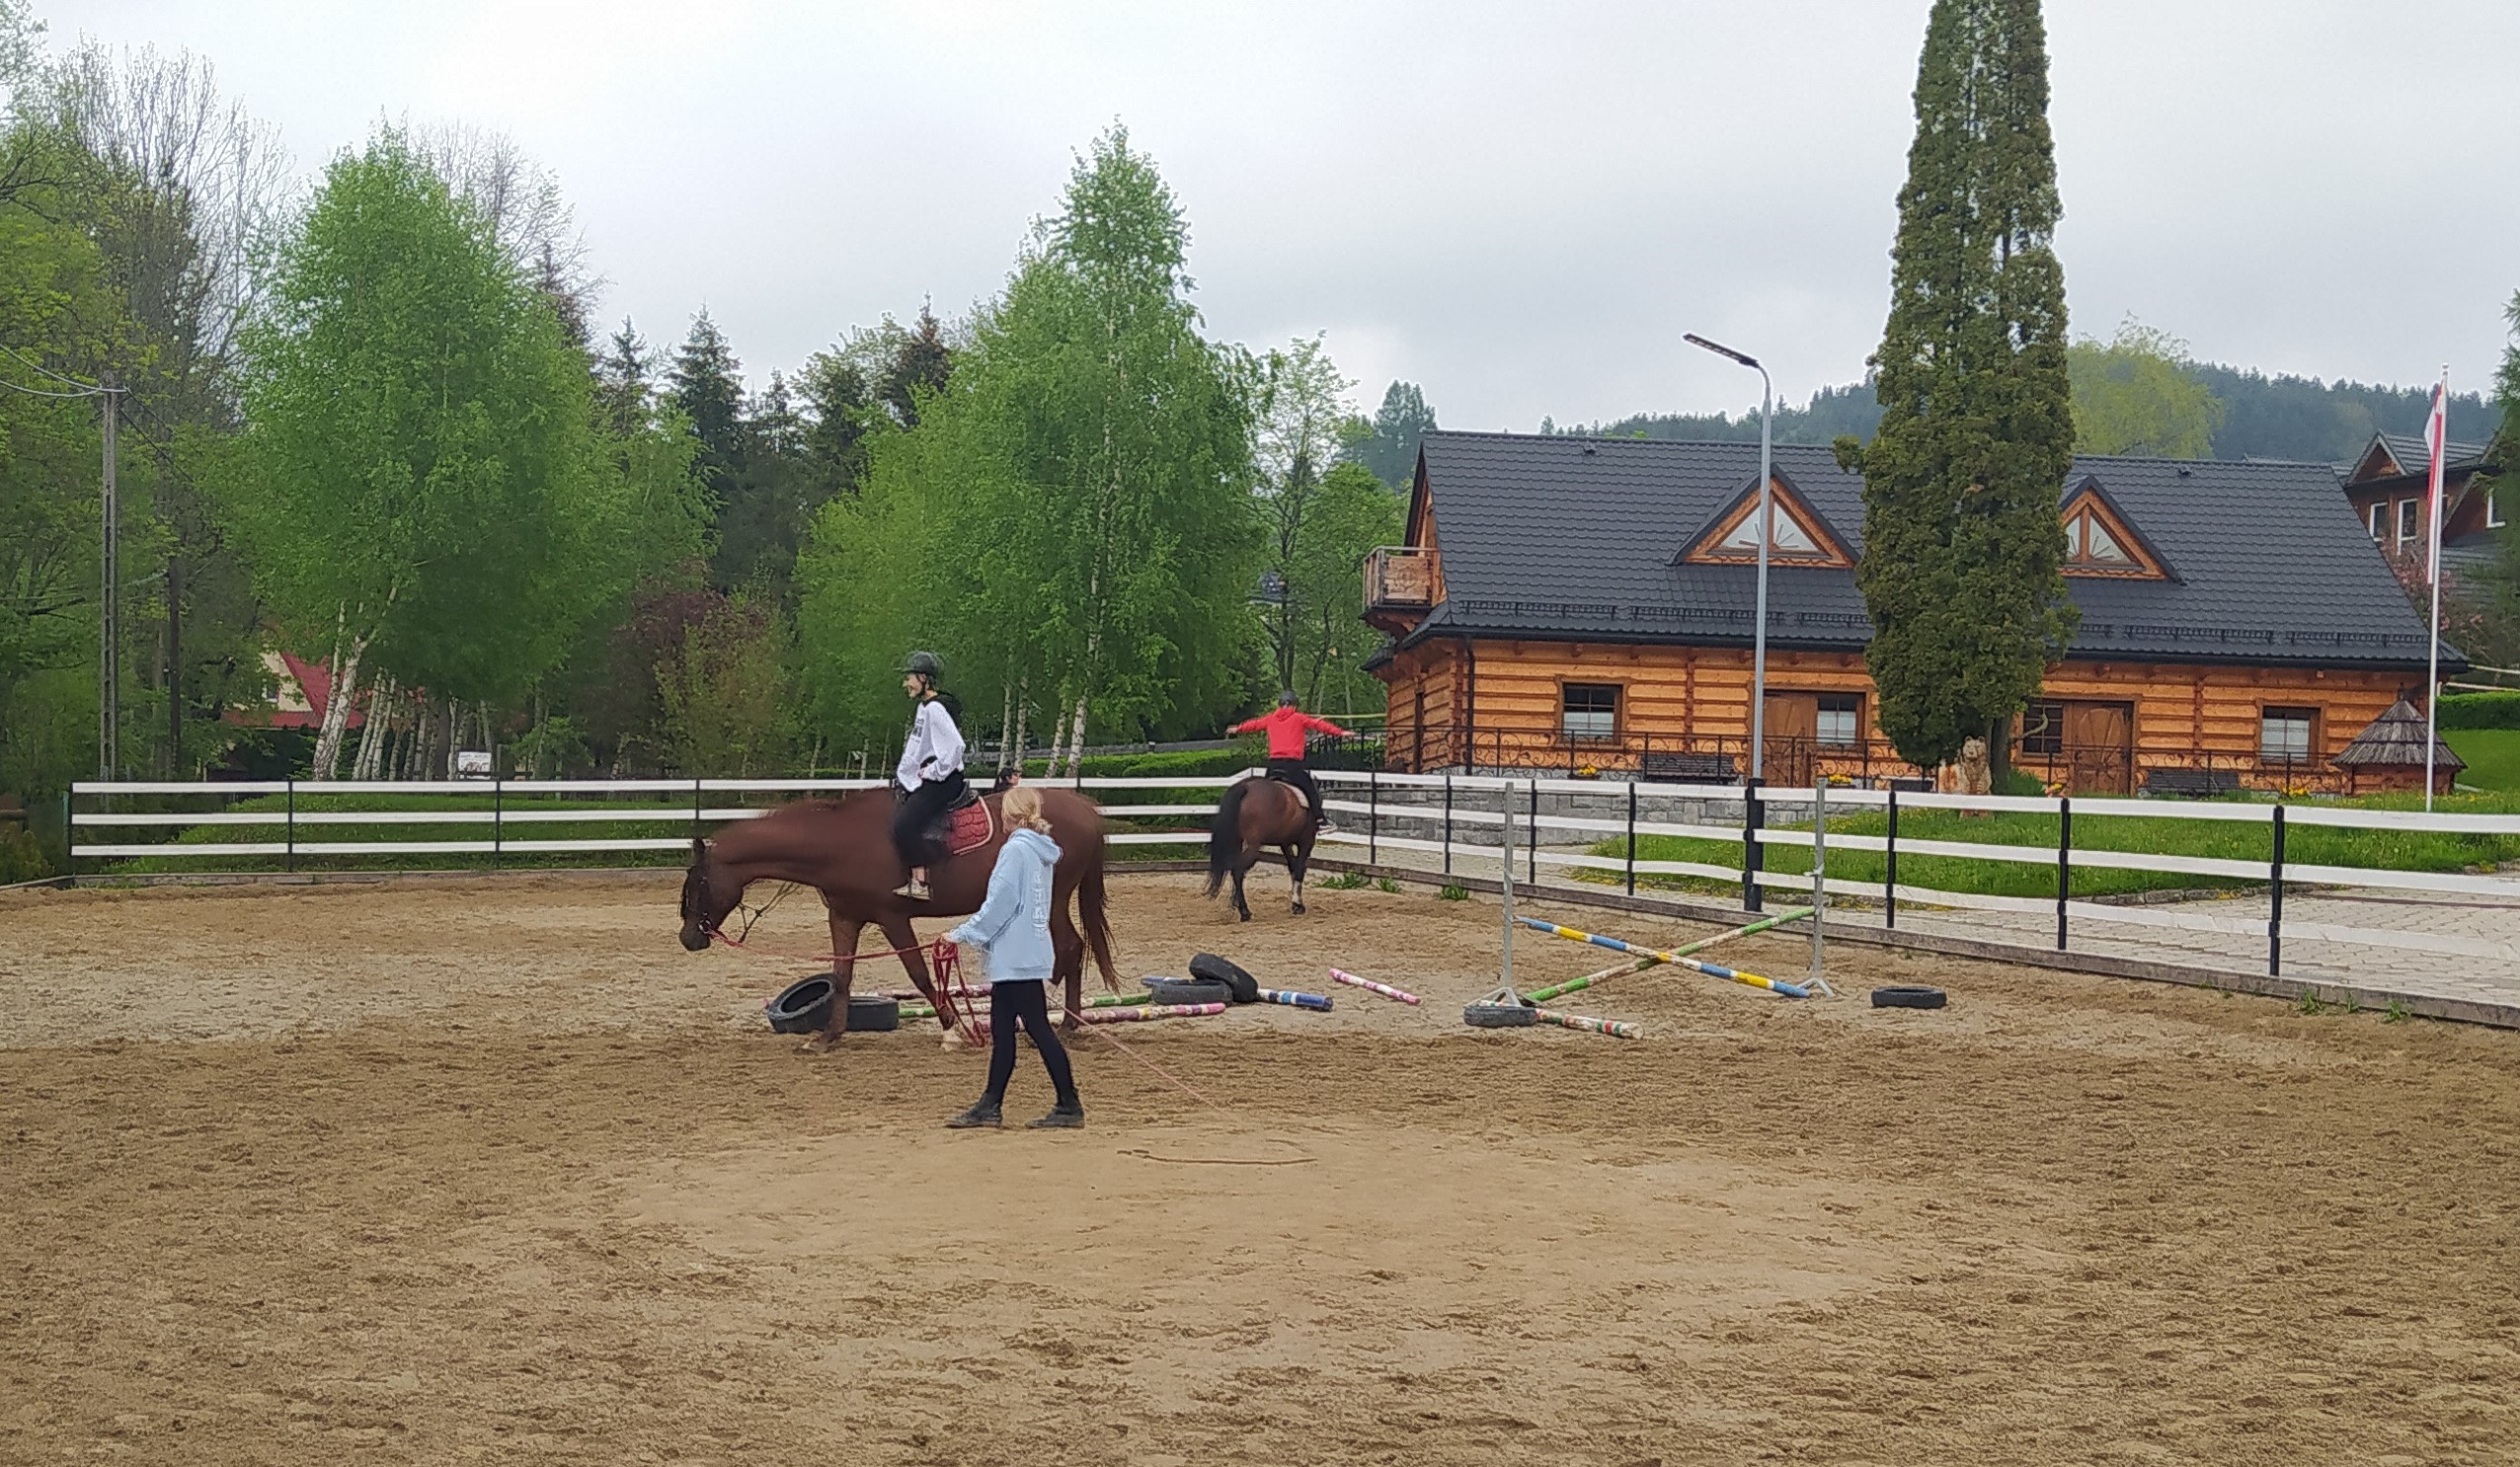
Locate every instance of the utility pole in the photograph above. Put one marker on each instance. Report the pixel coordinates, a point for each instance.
(108, 708)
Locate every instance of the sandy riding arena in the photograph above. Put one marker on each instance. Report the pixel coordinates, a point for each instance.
(450, 1171)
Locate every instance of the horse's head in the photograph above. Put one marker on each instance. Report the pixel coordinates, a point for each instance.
(704, 905)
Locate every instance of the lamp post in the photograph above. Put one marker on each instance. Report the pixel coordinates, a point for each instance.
(1767, 527)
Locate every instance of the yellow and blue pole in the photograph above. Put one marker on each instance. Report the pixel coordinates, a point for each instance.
(1681, 959)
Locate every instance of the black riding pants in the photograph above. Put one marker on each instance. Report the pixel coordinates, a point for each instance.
(1292, 772)
(915, 819)
(1027, 1004)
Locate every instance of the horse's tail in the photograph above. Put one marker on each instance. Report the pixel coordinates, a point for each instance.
(1225, 838)
(1096, 918)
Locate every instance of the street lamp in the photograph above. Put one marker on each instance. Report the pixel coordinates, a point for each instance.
(1759, 628)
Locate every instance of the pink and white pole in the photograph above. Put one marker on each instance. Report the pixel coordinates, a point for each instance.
(1342, 976)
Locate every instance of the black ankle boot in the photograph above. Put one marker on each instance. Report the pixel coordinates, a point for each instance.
(1067, 1115)
(983, 1112)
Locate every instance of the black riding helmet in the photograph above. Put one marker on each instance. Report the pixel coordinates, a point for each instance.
(925, 665)
(1286, 698)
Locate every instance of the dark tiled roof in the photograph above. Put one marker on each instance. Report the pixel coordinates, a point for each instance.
(2415, 455)
(1569, 537)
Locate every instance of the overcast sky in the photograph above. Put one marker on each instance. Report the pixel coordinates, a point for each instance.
(1518, 206)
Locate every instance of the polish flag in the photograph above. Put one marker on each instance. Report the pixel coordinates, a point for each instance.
(2437, 438)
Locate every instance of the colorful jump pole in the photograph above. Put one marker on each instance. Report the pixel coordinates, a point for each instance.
(1342, 976)
(1610, 1026)
(1151, 1011)
(1653, 960)
(1710, 970)
(1289, 996)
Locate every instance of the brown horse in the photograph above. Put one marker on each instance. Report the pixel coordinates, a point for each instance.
(844, 849)
(1254, 814)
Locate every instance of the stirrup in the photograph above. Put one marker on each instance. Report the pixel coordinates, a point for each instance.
(912, 890)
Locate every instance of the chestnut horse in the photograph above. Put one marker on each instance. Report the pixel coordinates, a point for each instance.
(844, 849)
(1256, 813)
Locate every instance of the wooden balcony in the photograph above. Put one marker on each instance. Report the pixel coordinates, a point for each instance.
(1401, 584)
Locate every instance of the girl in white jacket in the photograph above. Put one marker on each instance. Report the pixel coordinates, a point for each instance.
(1012, 926)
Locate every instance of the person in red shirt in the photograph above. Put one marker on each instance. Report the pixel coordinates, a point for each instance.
(1287, 729)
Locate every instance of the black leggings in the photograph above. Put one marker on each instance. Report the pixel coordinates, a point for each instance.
(1027, 1004)
(1292, 772)
(915, 818)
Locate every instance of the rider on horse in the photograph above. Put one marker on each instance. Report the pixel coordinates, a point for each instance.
(1287, 729)
(930, 777)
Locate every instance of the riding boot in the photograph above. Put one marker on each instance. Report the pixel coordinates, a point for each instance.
(1067, 1115)
(913, 889)
(986, 1112)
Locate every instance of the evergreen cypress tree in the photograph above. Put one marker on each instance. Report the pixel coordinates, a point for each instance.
(1962, 539)
(708, 386)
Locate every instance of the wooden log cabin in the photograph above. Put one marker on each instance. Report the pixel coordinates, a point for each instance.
(1585, 604)
(2390, 484)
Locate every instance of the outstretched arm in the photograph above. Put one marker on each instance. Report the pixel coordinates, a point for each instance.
(1323, 725)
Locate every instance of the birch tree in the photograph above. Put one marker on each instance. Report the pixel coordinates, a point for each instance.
(419, 469)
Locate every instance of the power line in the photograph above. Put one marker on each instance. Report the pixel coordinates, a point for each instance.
(31, 392)
(46, 371)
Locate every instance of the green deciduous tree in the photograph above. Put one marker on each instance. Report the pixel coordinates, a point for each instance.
(1962, 541)
(2138, 393)
(1349, 513)
(420, 480)
(1301, 420)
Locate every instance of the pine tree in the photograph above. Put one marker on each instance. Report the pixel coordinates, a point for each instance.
(1962, 540)
(708, 386)
(1392, 449)
(921, 364)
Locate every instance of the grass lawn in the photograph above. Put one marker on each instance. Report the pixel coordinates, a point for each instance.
(2308, 845)
(2492, 755)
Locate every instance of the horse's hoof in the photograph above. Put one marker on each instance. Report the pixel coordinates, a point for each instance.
(1245, 917)
(1298, 908)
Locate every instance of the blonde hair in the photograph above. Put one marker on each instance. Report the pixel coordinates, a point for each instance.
(1023, 808)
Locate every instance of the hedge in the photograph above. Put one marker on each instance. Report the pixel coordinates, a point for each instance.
(2479, 711)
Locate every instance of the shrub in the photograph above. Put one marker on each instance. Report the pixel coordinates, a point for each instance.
(2479, 711)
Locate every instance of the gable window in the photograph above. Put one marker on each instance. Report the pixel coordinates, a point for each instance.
(2380, 522)
(2099, 543)
(1796, 535)
(2493, 512)
(1790, 537)
(1840, 719)
(1588, 710)
(2406, 510)
(2283, 734)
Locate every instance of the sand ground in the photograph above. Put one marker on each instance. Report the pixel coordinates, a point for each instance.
(441, 1172)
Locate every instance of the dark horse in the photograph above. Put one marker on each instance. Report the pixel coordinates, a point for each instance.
(844, 849)
(1254, 814)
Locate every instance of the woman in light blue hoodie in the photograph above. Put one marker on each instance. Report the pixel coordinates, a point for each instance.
(1012, 926)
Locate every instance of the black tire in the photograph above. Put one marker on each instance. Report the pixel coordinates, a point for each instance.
(1907, 997)
(1499, 1016)
(872, 1013)
(804, 1007)
(1208, 967)
(1181, 990)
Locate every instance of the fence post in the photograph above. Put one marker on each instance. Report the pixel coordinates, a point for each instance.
(289, 861)
(1505, 872)
(1448, 824)
(2275, 906)
(70, 834)
(1890, 867)
(1749, 848)
(497, 813)
(2064, 863)
(1632, 837)
(1372, 816)
(1531, 838)
(1819, 868)
(695, 807)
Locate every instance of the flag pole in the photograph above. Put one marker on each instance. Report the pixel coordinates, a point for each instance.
(2440, 435)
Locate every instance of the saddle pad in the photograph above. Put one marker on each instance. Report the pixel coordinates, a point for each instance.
(1292, 785)
(970, 827)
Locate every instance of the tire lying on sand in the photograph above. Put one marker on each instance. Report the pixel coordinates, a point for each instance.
(805, 1007)
(1208, 967)
(1907, 997)
(1499, 1015)
(1187, 990)
(873, 1013)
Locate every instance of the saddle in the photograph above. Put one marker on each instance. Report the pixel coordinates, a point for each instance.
(1277, 778)
(968, 824)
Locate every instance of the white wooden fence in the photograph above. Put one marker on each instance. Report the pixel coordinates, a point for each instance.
(1433, 823)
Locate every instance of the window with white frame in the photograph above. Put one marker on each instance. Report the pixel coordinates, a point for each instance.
(1840, 719)
(1590, 710)
(2380, 521)
(2406, 511)
(2493, 512)
(2283, 734)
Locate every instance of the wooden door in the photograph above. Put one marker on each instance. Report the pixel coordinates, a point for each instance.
(2099, 747)
(1794, 732)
